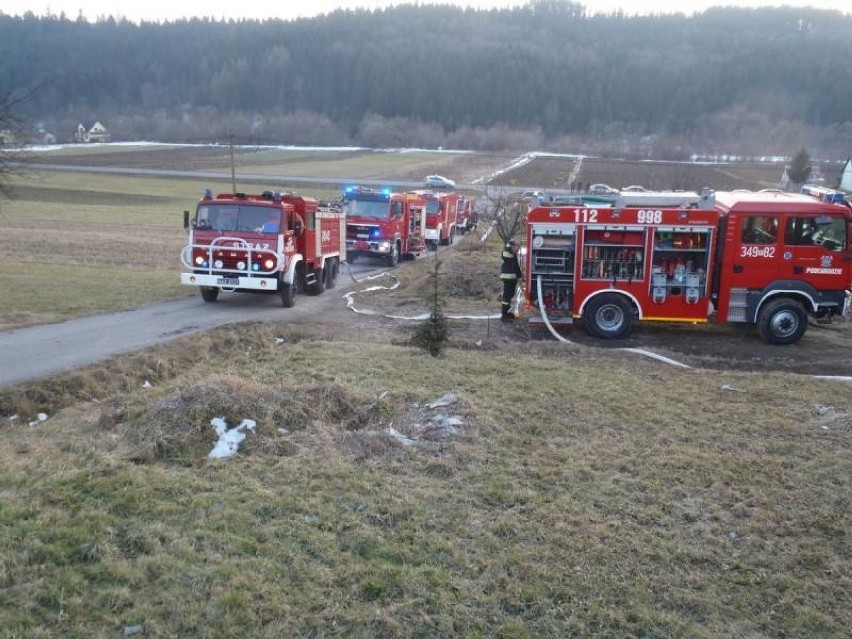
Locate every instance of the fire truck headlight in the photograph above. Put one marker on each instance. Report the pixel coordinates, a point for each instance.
(241, 266)
(199, 260)
(268, 264)
(383, 246)
(218, 264)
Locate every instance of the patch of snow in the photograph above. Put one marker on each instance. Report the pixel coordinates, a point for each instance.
(41, 417)
(229, 440)
(402, 439)
(446, 400)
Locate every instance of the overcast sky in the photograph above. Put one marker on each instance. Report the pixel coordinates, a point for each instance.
(160, 10)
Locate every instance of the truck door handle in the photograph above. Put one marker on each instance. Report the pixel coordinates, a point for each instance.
(738, 268)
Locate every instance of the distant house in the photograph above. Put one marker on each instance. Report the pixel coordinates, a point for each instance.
(846, 176)
(92, 132)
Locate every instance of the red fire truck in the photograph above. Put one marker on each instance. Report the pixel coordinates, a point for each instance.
(770, 259)
(441, 217)
(383, 224)
(272, 242)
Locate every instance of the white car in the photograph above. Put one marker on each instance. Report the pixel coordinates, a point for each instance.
(602, 189)
(634, 188)
(439, 182)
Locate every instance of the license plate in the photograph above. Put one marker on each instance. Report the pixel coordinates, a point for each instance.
(227, 281)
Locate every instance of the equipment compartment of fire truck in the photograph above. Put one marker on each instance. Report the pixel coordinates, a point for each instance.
(267, 243)
(769, 259)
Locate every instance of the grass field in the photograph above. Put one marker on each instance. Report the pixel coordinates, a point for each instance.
(576, 492)
(582, 495)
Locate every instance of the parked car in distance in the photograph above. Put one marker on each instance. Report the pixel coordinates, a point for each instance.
(602, 189)
(634, 188)
(439, 182)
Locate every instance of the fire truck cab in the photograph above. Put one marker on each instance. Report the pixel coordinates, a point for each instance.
(271, 242)
(383, 224)
(769, 259)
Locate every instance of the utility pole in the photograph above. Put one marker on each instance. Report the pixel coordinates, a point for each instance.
(233, 169)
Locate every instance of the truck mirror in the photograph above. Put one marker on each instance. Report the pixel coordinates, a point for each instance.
(186, 219)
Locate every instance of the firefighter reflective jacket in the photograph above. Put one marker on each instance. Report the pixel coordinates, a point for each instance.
(510, 269)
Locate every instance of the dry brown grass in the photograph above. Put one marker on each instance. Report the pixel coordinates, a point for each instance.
(586, 492)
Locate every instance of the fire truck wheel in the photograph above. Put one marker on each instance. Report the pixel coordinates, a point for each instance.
(318, 285)
(608, 316)
(288, 294)
(782, 321)
(331, 273)
(209, 294)
(393, 258)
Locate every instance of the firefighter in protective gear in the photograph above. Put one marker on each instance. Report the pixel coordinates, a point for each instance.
(510, 272)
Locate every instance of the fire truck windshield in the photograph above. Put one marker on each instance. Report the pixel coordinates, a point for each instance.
(236, 217)
(365, 208)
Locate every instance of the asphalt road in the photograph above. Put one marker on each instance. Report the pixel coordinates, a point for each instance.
(36, 352)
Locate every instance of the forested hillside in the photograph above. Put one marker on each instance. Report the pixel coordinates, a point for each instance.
(545, 76)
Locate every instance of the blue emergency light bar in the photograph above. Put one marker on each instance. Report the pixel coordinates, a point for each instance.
(823, 194)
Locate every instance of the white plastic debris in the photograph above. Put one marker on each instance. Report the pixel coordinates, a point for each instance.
(446, 400)
(41, 417)
(283, 431)
(147, 384)
(732, 389)
(279, 340)
(229, 440)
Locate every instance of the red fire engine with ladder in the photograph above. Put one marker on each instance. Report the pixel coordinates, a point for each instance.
(769, 259)
(271, 242)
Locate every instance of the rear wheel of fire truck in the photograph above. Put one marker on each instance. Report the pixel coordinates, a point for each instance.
(209, 293)
(393, 257)
(331, 273)
(608, 316)
(317, 287)
(288, 294)
(782, 321)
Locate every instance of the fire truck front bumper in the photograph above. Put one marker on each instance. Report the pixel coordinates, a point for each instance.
(230, 281)
(380, 247)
